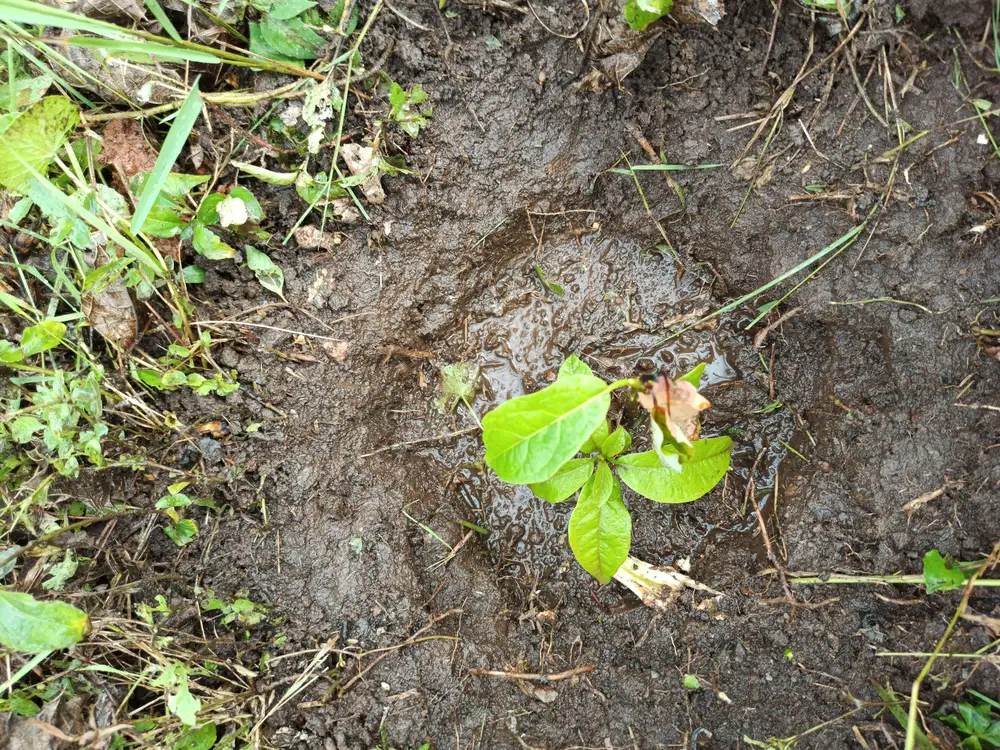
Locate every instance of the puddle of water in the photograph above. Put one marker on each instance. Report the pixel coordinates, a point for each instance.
(617, 306)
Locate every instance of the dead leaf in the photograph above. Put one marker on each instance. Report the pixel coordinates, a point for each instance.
(111, 310)
(311, 238)
(617, 56)
(361, 160)
(698, 11)
(216, 428)
(126, 148)
(674, 405)
(541, 693)
(112, 78)
(108, 10)
(337, 350)
(58, 719)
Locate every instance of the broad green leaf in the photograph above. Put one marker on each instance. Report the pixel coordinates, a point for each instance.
(183, 705)
(268, 274)
(40, 338)
(261, 47)
(176, 186)
(208, 213)
(528, 438)
(646, 474)
(266, 175)
(285, 9)
(600, 529)
(617, 442)
(691, 682)
(29, 143)
(32, 626)
(254, 210)
(23, 428)
(207, 243)
(162, 221)
(194, 275)
(202, 738)
(291, 38)
(182, 532)
(9, 353)
(694, 377)
(570, 477)
(941, 574)
(143, 50)
(574, 366)
(175, 141)
(641, 13)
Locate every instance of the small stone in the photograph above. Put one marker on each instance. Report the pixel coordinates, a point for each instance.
(211, 450)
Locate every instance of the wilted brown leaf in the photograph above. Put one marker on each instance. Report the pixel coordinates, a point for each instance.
(111, 311)
(107, 10)
(125, 148)
(698, 11)
(360, 160)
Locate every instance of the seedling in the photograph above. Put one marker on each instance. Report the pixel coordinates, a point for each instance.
(975, 723)
(534, 440)
(641, 13)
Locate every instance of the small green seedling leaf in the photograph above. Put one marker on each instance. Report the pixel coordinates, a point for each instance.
(617, 442)
(406, 109)
(32, 626)
(574, 366)
(172, 146)
(941, 574)
(641, 13)
(202, 738)
(694, 377)
(554, 287)
(268, 274)
(570, 477)
(31, 141)
(458, 383)
(691, 682)
(42, 337)
(182, 532)
(528, 438)
(646, 474)
(207, 243)
(600, 529)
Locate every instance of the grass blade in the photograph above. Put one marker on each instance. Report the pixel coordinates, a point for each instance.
(26, 11)
(159, 15)
(176, 138)
(128, 47)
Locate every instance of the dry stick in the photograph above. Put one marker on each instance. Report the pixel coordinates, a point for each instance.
(431, 623)
(752, 494)
(533, 676)
(911, 722)
(987, 407)
(759, 339)
(408, 443)
(774, 32)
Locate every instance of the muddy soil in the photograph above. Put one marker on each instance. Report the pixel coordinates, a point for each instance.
(511, 173)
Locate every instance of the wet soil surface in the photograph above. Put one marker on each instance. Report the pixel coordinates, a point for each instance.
(355, 544)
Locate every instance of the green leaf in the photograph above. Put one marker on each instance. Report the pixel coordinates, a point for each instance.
(157, 10)
(570, 477)
(941, 574)
(23, 429)
(266, 175)
(694, 377)
(691, 682)
(406, 110)
(254, 210)
(194, 275)
(40, 338)
(285, 9)
(143, 50)
(268, 274)
(183, 705)
(182, 532)
(641, 13)
(260, 46)
(207, 243)
(33, 139)
(162, 221)
(31, 626)
(175, 141)
(291, 38)
(600, 529)
(597, 438)
(645, 473)
(528, 438)
(208, 210)
(36, 14)
(61, 572)
(9, 353)
(553, 286)
(202, 738)
(617, 442)
(574, 366)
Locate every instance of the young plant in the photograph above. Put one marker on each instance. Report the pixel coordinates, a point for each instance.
(535, 439)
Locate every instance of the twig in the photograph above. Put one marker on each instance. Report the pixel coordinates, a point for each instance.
(533, 676)
(418, 441)
(758, 340)
(987, 407)
(207, 323)
(770, 43)
(409, 641)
